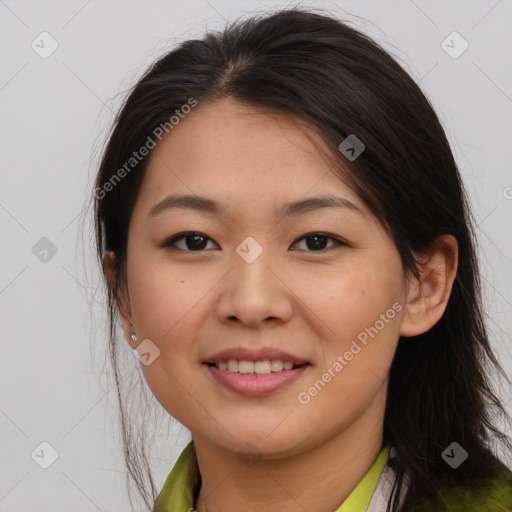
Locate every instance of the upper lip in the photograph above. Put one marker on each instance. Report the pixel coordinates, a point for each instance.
(247, 354)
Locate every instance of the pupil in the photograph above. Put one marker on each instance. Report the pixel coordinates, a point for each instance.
(316, 244)
(195, 245)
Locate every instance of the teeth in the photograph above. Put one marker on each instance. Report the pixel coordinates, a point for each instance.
(245, 367)
(276, 365)
(259, 367)
(232, 365)
(262, 367)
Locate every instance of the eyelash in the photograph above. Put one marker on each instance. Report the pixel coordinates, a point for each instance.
(168, 244)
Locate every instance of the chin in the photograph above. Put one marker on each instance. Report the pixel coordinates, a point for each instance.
(259, 444)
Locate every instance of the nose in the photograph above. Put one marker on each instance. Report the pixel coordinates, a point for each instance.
(254, 292)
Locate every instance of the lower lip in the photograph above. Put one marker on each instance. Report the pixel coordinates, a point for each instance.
(253, 385)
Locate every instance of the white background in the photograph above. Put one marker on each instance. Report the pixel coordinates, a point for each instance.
(54, 115)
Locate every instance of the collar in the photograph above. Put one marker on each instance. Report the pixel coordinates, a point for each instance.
(179, 490)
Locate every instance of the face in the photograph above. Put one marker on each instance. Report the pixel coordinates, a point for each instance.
(322, 284)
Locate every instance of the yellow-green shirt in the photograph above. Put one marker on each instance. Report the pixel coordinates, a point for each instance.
(178, 491)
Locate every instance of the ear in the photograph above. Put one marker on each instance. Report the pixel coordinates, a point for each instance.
(124, 311)
(428, 295)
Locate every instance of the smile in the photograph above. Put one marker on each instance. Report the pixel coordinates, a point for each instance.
(254, 378)
(263, 367)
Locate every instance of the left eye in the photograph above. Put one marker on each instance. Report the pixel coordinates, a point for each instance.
(196, 242)
(316, 241)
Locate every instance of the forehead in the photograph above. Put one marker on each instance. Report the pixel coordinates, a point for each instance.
(243, 155)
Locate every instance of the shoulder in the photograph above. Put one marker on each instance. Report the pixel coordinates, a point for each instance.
(494, 495)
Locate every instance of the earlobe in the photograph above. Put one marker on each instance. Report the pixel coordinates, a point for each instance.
(428, 294)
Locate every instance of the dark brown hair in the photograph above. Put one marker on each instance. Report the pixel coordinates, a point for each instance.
(340, 82)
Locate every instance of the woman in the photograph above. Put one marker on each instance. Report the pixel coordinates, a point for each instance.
(284, 233)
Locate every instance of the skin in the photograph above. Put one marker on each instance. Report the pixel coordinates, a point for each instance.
(309, 302)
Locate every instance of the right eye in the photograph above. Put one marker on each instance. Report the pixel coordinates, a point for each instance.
(194, 241)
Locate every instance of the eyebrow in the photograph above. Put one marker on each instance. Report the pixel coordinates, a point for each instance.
(207, 205)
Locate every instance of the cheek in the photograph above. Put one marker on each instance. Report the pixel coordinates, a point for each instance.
(164, 299)
(362, 310)
(355, 297)
(354, 364)
(170, 307)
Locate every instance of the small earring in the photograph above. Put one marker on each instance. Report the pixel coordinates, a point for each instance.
(133, 336)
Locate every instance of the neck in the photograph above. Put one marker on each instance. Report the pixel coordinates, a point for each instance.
(318, 480)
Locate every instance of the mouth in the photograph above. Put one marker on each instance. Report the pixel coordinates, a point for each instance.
(262, 367)
(255, 378)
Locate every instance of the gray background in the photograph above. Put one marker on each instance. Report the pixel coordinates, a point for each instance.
(54, 116)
